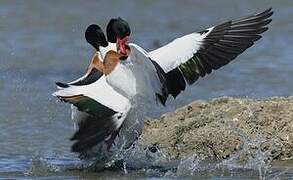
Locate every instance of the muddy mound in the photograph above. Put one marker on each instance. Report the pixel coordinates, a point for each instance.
(224, 128)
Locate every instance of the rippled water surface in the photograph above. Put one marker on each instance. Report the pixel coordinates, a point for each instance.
(43, 41)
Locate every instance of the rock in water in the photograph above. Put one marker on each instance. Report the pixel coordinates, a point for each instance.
(225, 127)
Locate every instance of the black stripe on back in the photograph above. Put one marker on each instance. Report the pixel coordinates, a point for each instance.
(63, 85)
(93, 76)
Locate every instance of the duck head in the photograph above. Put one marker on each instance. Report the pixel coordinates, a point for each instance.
(118, 32)
(95, 36)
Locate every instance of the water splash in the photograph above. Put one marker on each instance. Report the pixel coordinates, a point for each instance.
(48, 165)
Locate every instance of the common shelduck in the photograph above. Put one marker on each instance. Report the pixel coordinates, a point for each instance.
(124, 77)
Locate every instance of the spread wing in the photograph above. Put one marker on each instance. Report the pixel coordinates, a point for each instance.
(105, 108)
(197, 54)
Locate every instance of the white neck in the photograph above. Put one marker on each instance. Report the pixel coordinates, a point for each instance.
(104, 50)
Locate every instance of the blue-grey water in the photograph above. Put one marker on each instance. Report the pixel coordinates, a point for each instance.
(43, 41)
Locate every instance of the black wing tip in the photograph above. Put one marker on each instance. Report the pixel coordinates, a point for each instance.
(269, 13)
(83, 141)
(84, 144)
(73, 137)
(269, 10)
(62, 85)
(77, 148)
(267, 18)
(91, 132)
(242, 33)
(266, 14)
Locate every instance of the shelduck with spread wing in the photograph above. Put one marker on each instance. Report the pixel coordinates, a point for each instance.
(121, 71)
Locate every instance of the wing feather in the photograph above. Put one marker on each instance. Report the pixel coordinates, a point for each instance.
(105, 112)
(197, 54)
